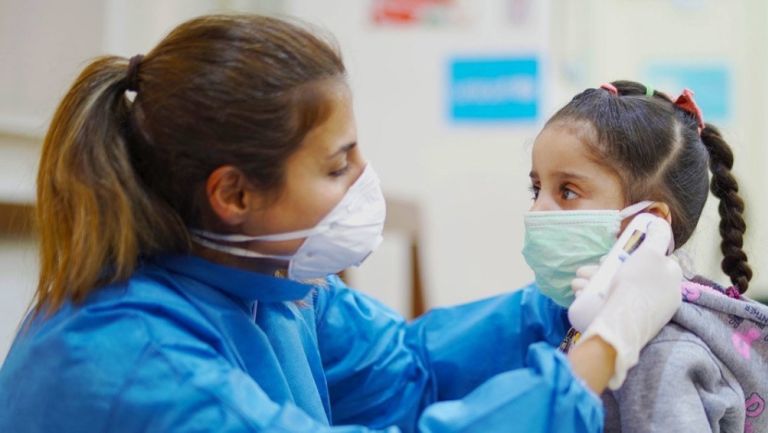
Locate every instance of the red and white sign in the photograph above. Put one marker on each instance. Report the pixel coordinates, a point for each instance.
(416, 12)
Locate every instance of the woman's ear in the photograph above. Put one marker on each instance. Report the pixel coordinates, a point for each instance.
(229, 196)
(661, 210)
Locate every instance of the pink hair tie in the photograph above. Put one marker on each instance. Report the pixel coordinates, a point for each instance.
(686, 103)
(610, 88)
(733, 292)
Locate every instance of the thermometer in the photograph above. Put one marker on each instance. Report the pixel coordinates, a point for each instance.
(590, 300)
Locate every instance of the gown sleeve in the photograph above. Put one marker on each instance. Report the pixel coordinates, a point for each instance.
(491, 365)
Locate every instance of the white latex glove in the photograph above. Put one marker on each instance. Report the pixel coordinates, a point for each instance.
(644, 295)
(583, 275)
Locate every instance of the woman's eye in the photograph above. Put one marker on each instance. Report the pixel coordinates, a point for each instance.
(340, 172)
(534, 190)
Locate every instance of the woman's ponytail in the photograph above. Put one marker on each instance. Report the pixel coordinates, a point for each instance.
(731, 208)
(94, 217)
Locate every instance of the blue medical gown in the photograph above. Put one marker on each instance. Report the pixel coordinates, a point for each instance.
(186, 345)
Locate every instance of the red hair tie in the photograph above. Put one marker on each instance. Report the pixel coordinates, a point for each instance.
(610, 88)
(686, 103)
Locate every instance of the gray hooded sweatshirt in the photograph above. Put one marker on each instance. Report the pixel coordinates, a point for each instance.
(706, 371)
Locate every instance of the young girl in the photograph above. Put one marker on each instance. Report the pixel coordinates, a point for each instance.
(622, 144)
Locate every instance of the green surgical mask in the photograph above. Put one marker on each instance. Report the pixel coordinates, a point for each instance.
(557, 243)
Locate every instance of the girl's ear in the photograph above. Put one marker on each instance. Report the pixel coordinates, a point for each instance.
(661, 210)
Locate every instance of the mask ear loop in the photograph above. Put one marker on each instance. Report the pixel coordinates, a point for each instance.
(298, 234)
(236, 251)
(634, 209)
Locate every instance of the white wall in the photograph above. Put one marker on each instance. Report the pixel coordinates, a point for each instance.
(43, 44)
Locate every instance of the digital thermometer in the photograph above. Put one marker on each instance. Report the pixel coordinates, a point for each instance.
(591, 299)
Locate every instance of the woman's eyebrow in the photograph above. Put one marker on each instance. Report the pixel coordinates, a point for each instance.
(343, 149)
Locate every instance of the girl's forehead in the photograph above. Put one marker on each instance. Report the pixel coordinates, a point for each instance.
(559, 147)
(559, 150)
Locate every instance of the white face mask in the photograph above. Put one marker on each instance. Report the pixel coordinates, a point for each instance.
(344, 238)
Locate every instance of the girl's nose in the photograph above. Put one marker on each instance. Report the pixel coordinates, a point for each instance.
(544, 203)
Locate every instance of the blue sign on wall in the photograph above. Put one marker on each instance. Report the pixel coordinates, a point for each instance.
(494, 89)
(710, 83)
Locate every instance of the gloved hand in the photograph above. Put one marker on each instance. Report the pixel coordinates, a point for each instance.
(643, 297)
(583, 275)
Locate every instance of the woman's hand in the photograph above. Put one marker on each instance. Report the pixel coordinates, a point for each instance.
(644, 295)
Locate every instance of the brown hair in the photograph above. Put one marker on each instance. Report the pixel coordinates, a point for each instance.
(122, 179)
(657, 150)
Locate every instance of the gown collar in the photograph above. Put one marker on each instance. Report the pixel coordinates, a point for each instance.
(250, 286)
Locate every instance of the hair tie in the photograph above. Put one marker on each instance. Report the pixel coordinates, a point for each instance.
(132, 76)
(686, 103)
(649, 91)
(610, 88)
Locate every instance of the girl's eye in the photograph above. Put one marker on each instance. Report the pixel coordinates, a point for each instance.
(534, 190)
(340, 172)
(567, 194)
